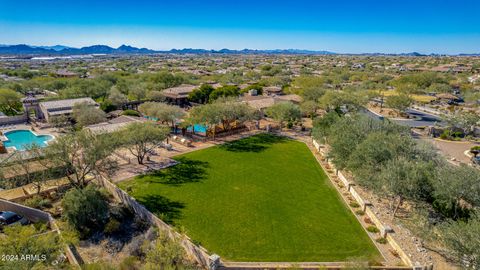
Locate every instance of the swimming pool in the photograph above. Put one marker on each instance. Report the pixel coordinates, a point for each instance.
(20, 139)
(198, 128)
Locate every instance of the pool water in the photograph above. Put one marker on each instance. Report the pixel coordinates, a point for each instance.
(198, 128)
(20, 139)
(150, 118)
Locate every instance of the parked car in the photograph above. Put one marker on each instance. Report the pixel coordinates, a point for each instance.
(8, 218)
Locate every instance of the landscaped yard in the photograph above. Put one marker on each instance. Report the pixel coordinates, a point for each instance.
(263, 198)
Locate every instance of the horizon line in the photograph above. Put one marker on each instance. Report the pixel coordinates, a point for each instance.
(251, 49)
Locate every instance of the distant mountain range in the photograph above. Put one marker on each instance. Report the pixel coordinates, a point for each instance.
(56, 47)
(65, 50)
(22, 49)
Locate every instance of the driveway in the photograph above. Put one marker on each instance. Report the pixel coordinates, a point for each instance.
(452, 149)
(422, 119)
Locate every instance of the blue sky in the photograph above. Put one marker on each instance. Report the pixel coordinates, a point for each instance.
(441, 26)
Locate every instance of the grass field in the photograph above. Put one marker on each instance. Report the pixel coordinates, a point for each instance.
(415, 97)
(263, 198)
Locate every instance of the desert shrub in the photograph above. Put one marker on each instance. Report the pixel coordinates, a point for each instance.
(129, 263)
(451, 135)
(360, 212)
(151, 234)
(394, 253)
(17, 241)
(444, 135)
(367, 220)
(475, 148)
(134, 248)
(38, 202)
(107, 106)
(98, 266)
(136, 245)
(196, 242)
(85, 209)
(354, 204)
(373, 229)
(120, 212)
(131, 113)
(381, 240)
(140, 224)
(166, 253)
(112, 226)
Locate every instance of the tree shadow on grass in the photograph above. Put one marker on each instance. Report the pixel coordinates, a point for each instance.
(164, 208)
(186, 171)
(255, 144)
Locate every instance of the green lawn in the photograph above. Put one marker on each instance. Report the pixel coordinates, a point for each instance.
(263, 198)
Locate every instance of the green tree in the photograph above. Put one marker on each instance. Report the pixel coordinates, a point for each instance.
(162, 112)
(86, 114)
(116, 97)
(60, 121)
(224, 91)
(399, 103)
(138, 91)
(155, 95)
(461, 239)
(309, 87)
(223, 112)
(440, 88)
(9, 101)
(348, 132)
(466, 121)
(313, 93)
(404, 178)
(457, 189)
(232, 111)
(334, 100)
(202, 94)
(309, 108)
(165, 80)
(323, 125)
(418, 82)
(209, 115)
(368, 158)
(19, 241)
(142, 138)
(284, 111)
(85, 209)
(81, 156)
(95, 88)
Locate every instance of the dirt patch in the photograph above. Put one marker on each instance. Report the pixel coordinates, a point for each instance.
(115, 248)
(386, 112)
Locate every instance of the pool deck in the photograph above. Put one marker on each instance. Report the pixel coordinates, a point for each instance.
(37, 131)
(47, 131)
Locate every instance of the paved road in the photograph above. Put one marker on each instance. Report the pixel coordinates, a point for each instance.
(422, 119)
